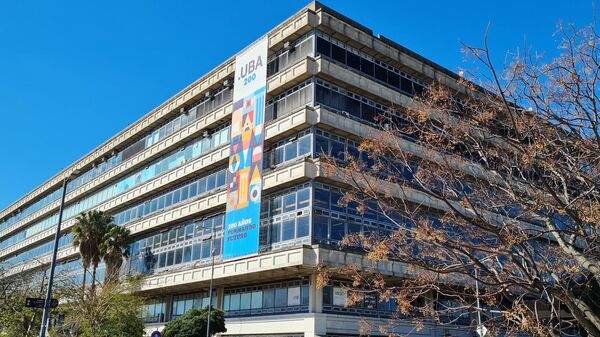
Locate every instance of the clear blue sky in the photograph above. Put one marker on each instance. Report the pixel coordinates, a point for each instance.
(74, 73)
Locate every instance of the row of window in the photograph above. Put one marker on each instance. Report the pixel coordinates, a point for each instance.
(283, 297)
(300, 145)
(184, 303)
(203, 185)
(294, 98)
(367, 65)
(179, 245)
(167, 162)
(218, 98)
(333, 221)
(282, 153)
(54, 195)
(302, 47)
(335, 300)
(37, 251)
(348, 103)
(289, 220)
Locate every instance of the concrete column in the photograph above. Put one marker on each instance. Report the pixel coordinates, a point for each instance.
(315, 295)
(220, 296)
(168, 307)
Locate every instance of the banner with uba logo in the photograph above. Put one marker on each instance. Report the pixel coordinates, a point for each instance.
(244, 174)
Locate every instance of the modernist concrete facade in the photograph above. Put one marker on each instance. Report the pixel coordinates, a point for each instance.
(163, 178)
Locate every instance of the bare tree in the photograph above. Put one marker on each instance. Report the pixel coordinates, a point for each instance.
(495, 182)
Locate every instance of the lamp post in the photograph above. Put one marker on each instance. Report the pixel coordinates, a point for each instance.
(44, 325)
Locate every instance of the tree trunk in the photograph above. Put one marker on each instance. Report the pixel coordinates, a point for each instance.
(85, 269)
(93, 285)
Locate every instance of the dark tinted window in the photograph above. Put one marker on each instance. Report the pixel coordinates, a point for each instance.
(323, 47)
(338, 53)
(393, 79)
(381, 73)
(406, 85)
(353, 60)
(366, 67)
(368, 113)
(352, 106)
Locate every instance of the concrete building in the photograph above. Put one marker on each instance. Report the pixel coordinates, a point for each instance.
(164, 178)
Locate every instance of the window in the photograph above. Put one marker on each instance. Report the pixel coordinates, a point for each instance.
(323, 47)
(320, 227)
(234, 302)
(321, 198)
(303, 226)
(338, 53)
(187, 254)
(291, 151)
(353, 60)
(303, 198)
(304, 146)
(338, 229)
(275, 234)
(206, 249)
(178, 256)
(381, 73)
(196, 251)
(289, 202)
(288, 230)
(269, 298)
(281, 297)
(170, 256)
(245, 301)
(162, 259)
(367, 67)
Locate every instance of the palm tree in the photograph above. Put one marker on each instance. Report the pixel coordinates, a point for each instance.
(114, 249)
(88, 234)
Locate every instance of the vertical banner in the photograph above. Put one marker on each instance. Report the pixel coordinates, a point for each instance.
(244, 174)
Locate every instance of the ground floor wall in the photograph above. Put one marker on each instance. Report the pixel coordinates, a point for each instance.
(322, 324)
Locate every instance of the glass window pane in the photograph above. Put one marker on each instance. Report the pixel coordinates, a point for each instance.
(303, 198)
(353, 60)
(281, 299)
(206, 249)
(193, 190)
(288, 230)
(178, 256)
(170, 256)
(234, 302)
(338, 53)
(289, 202)
(320, 227)
(323, 46)
(304, 145)
(367, 67)
(196, 251)
(275, 232)
(257, 300)
(291, 151)
(338, 229)
(268, 298)
(187, 254)
(303, 225)
(245, 301)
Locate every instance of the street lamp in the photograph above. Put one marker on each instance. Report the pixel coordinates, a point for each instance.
(44, 325)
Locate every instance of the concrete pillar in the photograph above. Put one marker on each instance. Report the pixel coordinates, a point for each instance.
(220, 296)
(315, 295)
(168, 307)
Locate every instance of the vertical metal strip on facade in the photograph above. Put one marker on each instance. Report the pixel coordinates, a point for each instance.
(244, 174)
